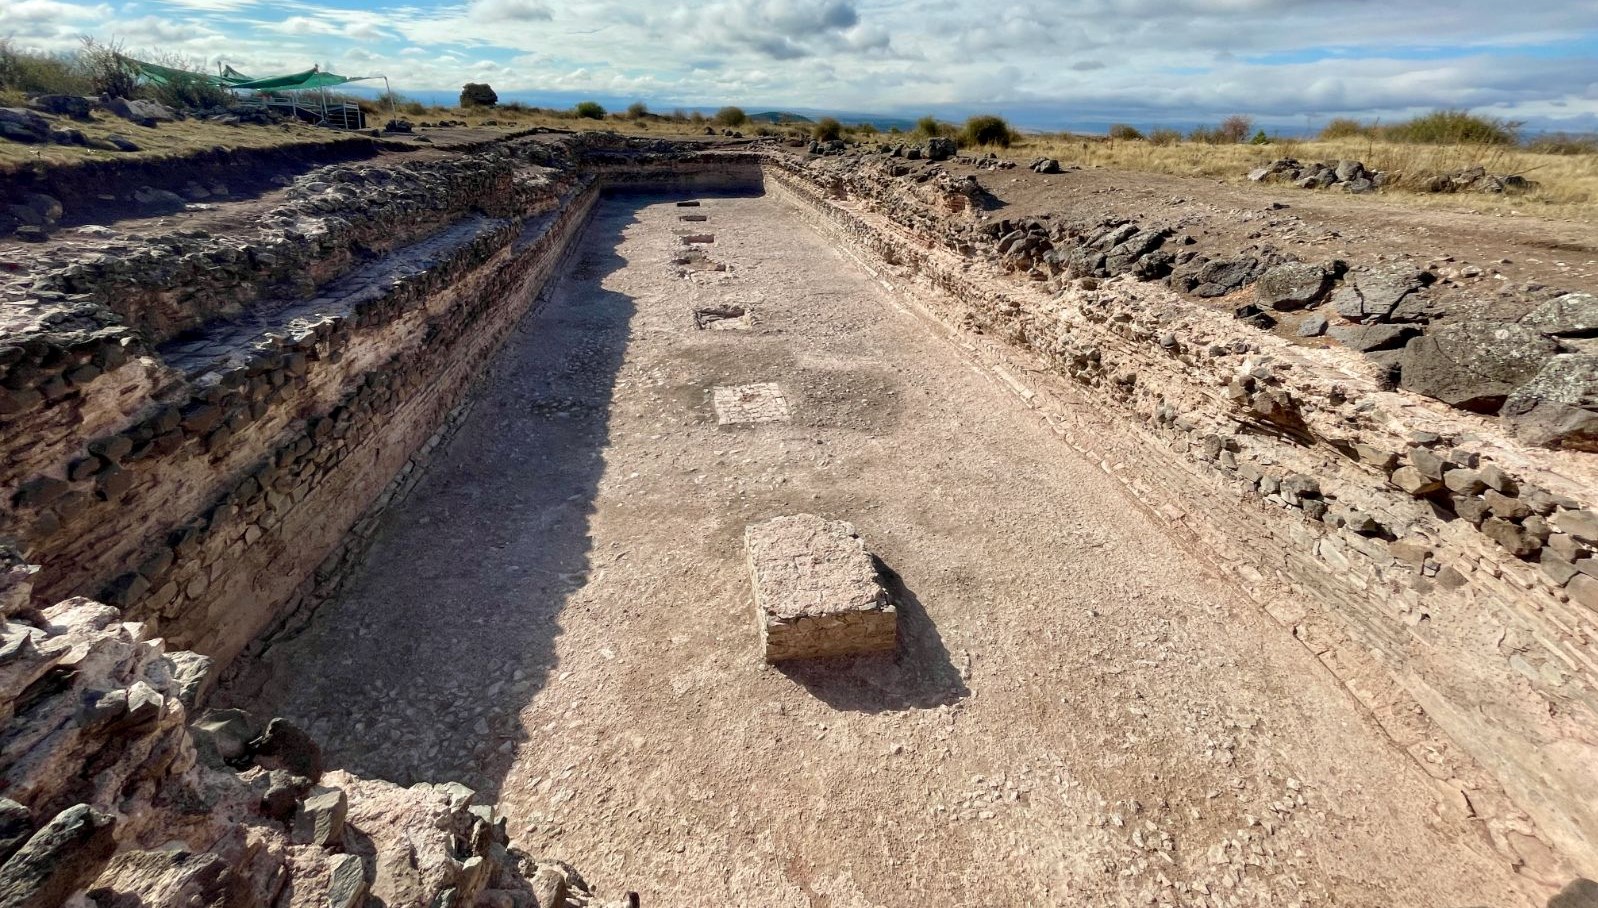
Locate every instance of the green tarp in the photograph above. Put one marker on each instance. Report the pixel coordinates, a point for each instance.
(231, 78)
(311, 78)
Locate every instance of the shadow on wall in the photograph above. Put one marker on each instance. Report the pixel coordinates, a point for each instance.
(918, 674)
(420, 671)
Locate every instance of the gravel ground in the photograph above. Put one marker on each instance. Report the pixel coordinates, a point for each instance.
(1079, 712)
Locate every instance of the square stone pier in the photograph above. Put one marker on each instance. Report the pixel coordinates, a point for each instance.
(817, 592)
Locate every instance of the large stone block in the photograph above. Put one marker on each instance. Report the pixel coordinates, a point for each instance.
(817, 592)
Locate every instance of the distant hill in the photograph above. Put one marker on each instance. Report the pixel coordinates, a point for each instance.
(779, 117)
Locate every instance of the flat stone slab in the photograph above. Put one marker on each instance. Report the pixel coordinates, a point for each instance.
(749, 404)
(817, 592)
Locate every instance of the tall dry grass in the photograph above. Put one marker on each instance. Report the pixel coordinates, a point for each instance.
(1567, 183)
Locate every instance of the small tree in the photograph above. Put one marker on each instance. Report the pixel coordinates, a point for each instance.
(637, 110)
(589, 110)
(1236, 128)
(1125, 133)
(108, 70)
(478, 94)
(731, 116)
(826, 130)
(988, 130)
(1260, 138)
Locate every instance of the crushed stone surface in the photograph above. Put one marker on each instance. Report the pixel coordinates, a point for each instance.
(1079, 712)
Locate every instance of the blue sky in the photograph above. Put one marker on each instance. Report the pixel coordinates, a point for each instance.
(1289, 63)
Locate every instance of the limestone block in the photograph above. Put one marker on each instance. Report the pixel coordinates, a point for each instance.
(817, 592)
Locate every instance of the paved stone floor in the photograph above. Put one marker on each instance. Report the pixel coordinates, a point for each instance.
(1079, 713)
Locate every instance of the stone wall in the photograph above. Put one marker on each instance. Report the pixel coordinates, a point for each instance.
(1403, 542)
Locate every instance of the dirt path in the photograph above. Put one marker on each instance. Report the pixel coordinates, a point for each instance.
(1079, 713)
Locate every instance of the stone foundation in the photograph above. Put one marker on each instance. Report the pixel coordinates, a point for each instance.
(816, 590)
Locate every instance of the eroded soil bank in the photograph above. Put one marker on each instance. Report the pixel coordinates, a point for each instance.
(1080, 712)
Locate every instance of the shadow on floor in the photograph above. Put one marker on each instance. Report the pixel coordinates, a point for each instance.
(419, 672)
(918, 674)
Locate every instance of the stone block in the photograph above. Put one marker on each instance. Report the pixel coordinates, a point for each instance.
(817, 592)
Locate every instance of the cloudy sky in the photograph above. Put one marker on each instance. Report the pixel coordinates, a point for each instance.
(1290, 63)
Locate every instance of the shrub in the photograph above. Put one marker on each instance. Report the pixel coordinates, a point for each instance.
(478, 94)
(45, 74)
(108, 71)
(731, 116)
(1124, 133)
(929, 127)
(1454, 127)
(1235, 129)
(413, 108)
(867, 129)
(1563, 143)
(826, 130)
(637, 110)
(696, 118)
(1164, 136)
(987, 129)
(1345, 128)
(1260, 138)
(1206, 136)
(589, 110)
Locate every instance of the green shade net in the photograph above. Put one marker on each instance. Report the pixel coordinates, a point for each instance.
(311, 78)
(231, 78)
(166, 75)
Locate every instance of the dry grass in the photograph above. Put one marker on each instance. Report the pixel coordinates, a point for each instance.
(166, 140)
(1568, 182)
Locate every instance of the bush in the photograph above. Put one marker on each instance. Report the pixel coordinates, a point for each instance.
(867, 129)
(589, 110)
(1125, 133)
(1454, 127)
(1204, 135)
(930, 127)
(826, 130)
(1164, 136)
(1563, 143)
(413, 108)
(43, 74)
(1235, 129)
(1260, 138)
(731, 116)
(1345, 128)
(637, 110)
(987, 129)
(478, 94)
(108, 71)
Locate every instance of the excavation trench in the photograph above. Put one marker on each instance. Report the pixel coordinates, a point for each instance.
(1080, 711)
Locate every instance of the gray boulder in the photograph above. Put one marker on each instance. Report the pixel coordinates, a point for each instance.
(21, 125)
(1373, 295)
(1370, 338)
(1292, 286)
(1571, 315)
(1349, 171)
(1474, 365)
(1558, 408)
(940, 149)
(63, 105)
(144, 113)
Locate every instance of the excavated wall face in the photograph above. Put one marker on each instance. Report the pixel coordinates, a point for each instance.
(219, 489)
(1281, 464)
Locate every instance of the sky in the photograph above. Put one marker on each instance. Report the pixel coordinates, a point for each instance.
(1290, 64)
